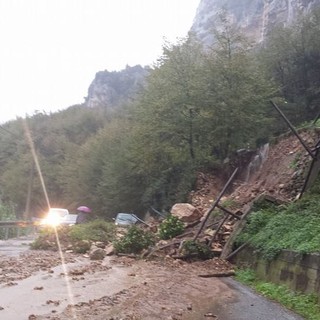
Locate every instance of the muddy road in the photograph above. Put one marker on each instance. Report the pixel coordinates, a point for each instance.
(35, 285)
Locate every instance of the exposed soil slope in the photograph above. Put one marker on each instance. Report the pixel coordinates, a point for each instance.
(281, 174)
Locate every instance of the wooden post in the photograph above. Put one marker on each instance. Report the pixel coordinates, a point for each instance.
(218, 229)
(228, 212)
(312, 173)
(293, 130)
(215, 204)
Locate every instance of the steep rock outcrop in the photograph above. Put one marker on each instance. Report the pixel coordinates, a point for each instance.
(254, 17)
(111, 89)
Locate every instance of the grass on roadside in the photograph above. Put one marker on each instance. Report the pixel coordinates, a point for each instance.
(296, 227)
(304, 304)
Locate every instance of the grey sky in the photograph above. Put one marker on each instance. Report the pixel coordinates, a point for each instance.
(51, 49)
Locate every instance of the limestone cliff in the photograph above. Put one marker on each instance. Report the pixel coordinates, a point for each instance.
(112, 89)
(254, 17)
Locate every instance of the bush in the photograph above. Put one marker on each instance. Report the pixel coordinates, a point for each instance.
(97, 230)
(134, 241)
(193, 248)
(170, 227)
(45, 241)
(79, 236)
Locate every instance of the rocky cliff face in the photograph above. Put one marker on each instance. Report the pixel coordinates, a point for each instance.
(254, 17)
(111, 89)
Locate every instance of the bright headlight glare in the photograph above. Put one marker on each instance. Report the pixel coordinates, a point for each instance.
(53, 220)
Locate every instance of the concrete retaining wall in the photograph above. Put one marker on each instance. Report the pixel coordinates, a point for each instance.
(299, 272)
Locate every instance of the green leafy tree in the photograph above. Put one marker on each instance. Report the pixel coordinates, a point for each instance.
(237, 92)
(167, 124)
(291, 55)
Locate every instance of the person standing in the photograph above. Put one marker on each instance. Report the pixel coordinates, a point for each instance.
(83, 214)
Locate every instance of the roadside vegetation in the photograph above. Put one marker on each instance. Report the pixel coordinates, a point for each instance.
(78, 238)
(295, 227)
(170, 227)
(133, 239)
(305, 305)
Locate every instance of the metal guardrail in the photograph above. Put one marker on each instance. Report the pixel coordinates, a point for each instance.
(14, 229)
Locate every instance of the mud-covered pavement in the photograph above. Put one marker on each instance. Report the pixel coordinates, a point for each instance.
(34, 285)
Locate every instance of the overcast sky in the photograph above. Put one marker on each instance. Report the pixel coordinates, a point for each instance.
(51, 49)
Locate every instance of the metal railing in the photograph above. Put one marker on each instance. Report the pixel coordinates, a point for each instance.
(16, 229)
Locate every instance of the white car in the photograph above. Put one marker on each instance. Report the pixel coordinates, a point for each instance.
(69, 219)
(55, 217)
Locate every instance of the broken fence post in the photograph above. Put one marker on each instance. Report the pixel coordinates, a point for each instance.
(215, 204)
(293, 130)
(218, 229)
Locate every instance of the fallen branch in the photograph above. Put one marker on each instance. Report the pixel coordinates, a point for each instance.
(218, 274)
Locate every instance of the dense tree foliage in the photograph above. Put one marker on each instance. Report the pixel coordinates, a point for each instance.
(292, 57)
(198, 106)
(237, 93)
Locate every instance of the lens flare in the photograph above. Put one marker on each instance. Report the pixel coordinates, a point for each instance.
(53, 220)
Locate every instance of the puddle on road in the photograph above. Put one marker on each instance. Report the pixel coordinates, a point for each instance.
(28, 298)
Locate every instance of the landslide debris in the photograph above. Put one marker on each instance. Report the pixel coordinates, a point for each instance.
(279, 176)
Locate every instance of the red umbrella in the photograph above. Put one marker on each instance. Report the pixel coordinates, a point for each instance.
(84, 209)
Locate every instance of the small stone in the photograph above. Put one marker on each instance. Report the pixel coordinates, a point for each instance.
(210, 315)
(97, 254)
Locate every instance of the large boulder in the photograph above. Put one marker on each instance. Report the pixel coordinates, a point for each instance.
(186, 212)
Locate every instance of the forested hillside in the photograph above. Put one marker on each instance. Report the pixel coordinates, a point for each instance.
(198, 106)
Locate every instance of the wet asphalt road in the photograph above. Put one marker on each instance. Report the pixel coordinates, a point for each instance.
(13, 247)
(247, 305)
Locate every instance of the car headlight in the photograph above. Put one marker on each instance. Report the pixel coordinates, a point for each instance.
(52, 220)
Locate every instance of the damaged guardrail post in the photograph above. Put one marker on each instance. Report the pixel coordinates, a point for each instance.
(215, 204)
(293, 130)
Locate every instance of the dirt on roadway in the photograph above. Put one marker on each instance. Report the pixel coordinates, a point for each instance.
(34, 285)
